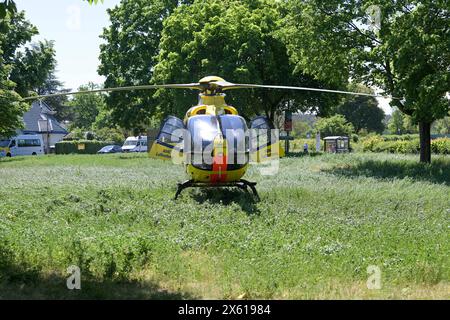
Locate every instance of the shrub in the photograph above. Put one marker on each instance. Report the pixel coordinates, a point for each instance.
(407, 146)
(370, 142)
(411, 144)
(110, 134)
(440, 146)
(75, 134)
(297, 145)
(90, 146)
(334, 126)
(89, 135)
(404, 137)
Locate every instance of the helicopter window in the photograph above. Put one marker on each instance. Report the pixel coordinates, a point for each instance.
(203, 130)
(232, 122)
(168, 131)
(261, 123)
(260, 135)
(234, 130)
(201, 111)
(203, 127)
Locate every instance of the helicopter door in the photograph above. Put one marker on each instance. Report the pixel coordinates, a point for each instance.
(169, 138)
(264, 141)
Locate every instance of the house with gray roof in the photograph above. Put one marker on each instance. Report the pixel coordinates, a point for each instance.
(40, 119)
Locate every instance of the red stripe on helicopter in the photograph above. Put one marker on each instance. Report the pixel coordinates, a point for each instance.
(219, 168)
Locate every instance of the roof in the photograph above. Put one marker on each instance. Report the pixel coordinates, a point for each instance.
(41, 111)
(335, 138)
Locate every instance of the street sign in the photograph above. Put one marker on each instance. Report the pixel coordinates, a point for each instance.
(288, 121)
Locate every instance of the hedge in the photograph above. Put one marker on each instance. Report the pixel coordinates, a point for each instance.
(440, 146)
(380, 144)
(403, 137)
(90, 146)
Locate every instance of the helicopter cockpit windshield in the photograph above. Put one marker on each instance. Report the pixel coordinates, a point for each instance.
(205, 128)
(234, 129)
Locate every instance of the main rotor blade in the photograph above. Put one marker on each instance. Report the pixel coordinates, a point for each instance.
(232, 86)
(193, 86)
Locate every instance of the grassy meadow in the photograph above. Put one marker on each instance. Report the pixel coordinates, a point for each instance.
(321, 222)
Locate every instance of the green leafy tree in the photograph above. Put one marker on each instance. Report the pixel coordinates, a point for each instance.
(110, 134)
(442, 126)
(32, 67)
(363, 112)
(334, 126)
(94, 1)
(239, 41)
(401, 123)
(406, 52)
(59, 103)
(15, 32)
(7, 6)
(86, 107)
(11, 108)
(301, 128)
(395, 124)
(409, 126)
(128, 56)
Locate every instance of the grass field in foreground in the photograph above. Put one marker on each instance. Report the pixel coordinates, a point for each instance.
(321, 222)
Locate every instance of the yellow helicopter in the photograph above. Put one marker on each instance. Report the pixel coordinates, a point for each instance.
(213, 141)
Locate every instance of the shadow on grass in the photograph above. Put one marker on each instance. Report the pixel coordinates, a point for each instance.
(10, 159)
(226, 196)
(128, 156)
(436, 172)
(21, 281)
(303, 154)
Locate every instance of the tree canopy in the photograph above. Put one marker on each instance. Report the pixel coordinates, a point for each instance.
(442, 126)
(166, 41)
(362, 111)
(334, 126)
(7, 6)
(241, 42)
(86, 107)
(129, 54)
(401, 123)
(32, 67)
(406, 54)
(20, 71)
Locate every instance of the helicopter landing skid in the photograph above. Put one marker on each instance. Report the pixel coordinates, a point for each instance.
(241, 184)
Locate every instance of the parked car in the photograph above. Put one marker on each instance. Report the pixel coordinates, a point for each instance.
(135, 144)
(22, 145)
(110, 149)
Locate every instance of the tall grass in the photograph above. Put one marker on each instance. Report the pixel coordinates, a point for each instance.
(321, 222)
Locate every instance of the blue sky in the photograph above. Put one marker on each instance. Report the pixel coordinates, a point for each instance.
(75, 26)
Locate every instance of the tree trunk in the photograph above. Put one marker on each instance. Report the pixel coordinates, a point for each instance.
(425, 141)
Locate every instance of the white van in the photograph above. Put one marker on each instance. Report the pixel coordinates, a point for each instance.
(135, 144)
(22, 145)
